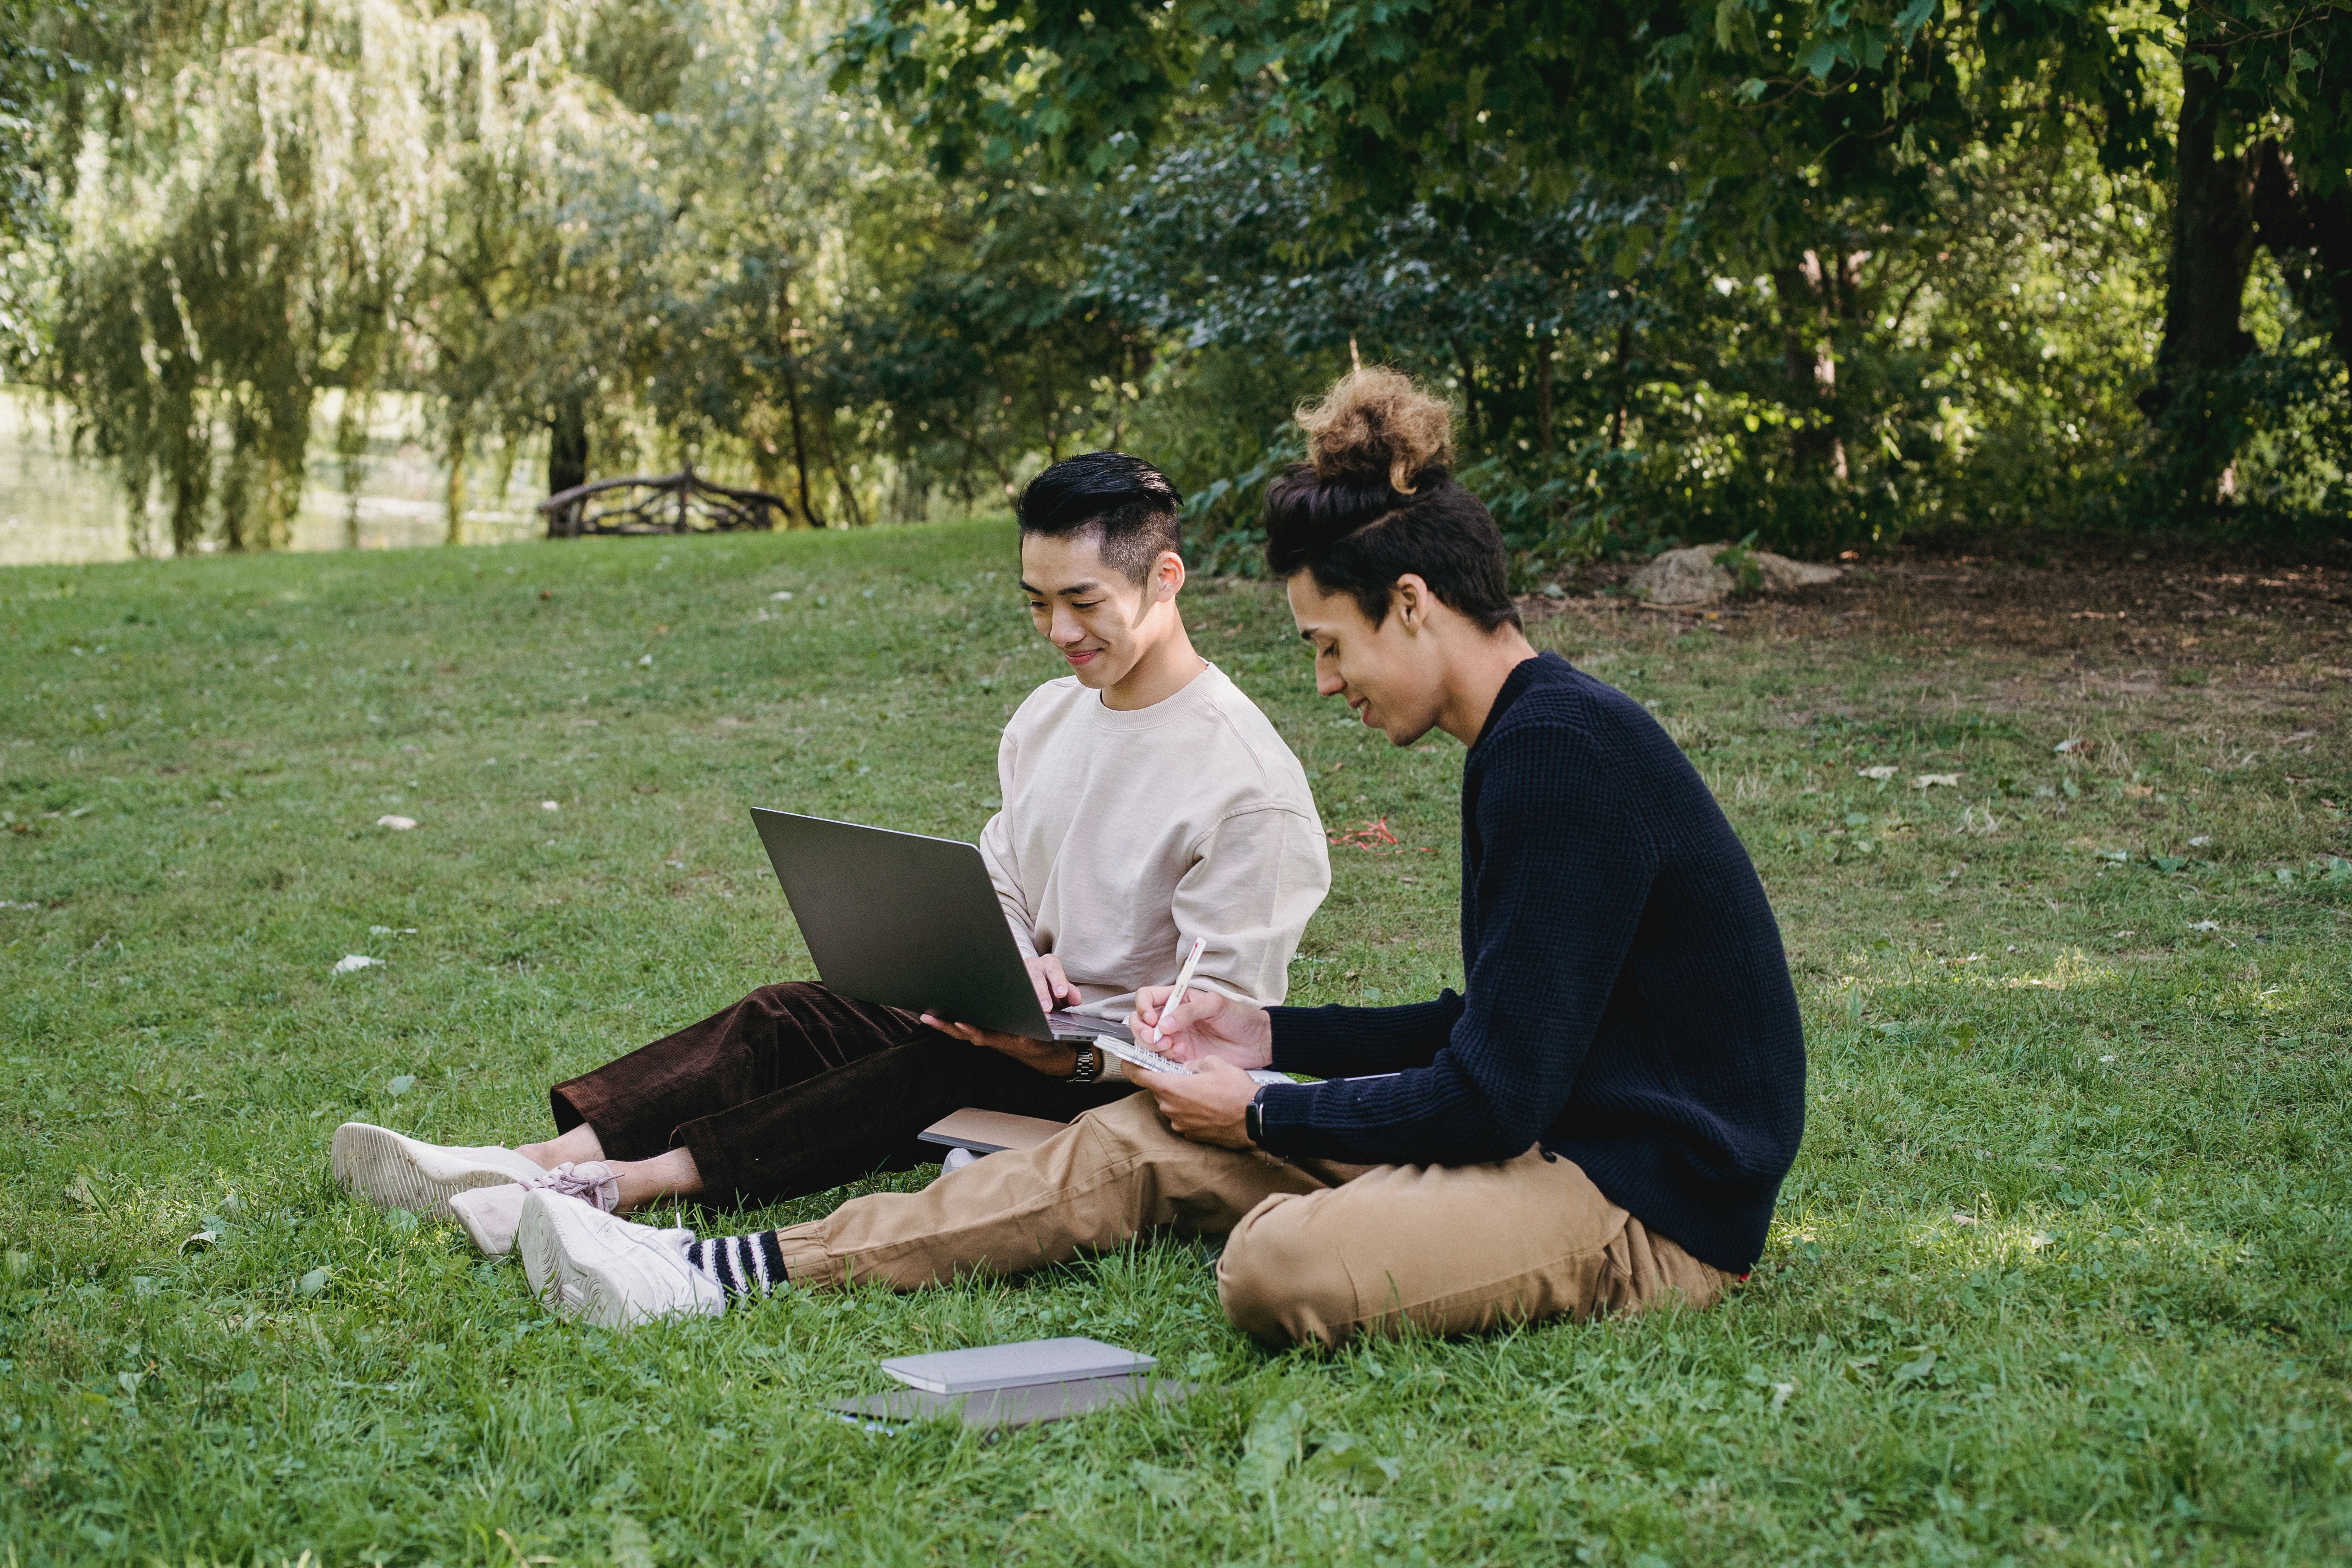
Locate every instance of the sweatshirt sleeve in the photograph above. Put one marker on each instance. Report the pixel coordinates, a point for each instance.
(1563, 876)
(1349, 1042)
(1258, 877)
(996, 852)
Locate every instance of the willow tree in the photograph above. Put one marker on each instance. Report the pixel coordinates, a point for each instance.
(283, 196)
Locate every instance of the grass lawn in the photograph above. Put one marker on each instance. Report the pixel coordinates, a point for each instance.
(2063, 1273)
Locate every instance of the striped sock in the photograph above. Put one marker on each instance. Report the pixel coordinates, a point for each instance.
(742, 1265)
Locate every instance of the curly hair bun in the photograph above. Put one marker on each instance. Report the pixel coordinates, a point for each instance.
(1375, 423)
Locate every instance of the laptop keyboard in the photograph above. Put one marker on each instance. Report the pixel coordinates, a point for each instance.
(1077, 1027)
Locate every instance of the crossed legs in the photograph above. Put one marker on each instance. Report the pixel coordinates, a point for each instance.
(670, 1174)
(1314, 1252)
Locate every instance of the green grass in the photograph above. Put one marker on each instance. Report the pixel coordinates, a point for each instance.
(2061, 1275)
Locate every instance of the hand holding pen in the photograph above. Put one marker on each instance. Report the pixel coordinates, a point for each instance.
(1189, 1027)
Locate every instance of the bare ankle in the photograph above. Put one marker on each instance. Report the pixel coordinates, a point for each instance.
(576, 1147)
(669, 1174)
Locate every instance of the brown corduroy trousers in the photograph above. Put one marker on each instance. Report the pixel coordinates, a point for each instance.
(1314, 1250)
(794, 1090)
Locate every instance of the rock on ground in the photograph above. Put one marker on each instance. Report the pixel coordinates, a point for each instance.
(1691, 577)
(1683, 577)
(1780, 573)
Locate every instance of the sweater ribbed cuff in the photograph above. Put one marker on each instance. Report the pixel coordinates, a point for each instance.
(1285, 1108)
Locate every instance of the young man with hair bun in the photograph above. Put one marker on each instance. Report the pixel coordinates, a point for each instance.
(1145, 801)
(1600, 1120)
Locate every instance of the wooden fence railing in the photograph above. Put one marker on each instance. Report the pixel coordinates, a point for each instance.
(682, 503)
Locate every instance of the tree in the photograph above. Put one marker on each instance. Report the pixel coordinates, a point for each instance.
(292, 196)
(216, 259)
(1817, 145)
(2263, 139)
(37, 70)
(1747, 127)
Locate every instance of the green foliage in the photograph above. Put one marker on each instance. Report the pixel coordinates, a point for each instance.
(2058, 1275)
(1739, 559)
(290, 196)
(1832, 273)
(610, 230)
(1821, 223)
(37, 70)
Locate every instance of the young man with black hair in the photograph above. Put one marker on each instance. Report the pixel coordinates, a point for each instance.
(1146, 802)
(1599, 1121)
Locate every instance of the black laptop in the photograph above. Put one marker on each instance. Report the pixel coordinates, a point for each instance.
(905, 920)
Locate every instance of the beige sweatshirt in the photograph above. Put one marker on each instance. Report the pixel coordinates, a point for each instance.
(1126, 834)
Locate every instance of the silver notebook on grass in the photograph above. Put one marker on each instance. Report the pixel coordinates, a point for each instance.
(1024, 1365)
(1002, 1408)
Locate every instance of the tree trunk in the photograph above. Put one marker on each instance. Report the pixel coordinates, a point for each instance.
(453, 494)
(2311, 236)
(840, 478)
(1053, 415)
(1809, 302)
(2204, 294)
(786, 325)
(188, 470)
(567, 446)
(352, 420)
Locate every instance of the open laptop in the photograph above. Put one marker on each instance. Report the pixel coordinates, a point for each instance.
(905, 920)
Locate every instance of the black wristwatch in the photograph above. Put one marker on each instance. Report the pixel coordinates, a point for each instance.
(1089, 1064)
(1254, 1118)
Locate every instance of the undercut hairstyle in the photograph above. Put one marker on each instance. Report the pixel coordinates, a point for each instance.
(1374, 500)
(1133, 508)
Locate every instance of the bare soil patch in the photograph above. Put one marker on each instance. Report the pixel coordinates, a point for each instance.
(2181, 628)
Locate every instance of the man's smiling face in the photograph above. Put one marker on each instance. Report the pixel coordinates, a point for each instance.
(1387, 676)
(1089, 609)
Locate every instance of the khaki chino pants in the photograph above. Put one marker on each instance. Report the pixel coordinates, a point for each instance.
(1316, 1251)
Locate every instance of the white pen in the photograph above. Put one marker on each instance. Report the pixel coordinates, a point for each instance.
(1183, 978)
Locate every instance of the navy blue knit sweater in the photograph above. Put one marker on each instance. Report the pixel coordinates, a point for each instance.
(1628, 1003)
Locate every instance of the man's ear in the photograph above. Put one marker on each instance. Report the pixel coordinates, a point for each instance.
(1167, 575)
(1412, 601)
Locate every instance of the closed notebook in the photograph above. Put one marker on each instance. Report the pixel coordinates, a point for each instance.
(1023, 1366)
(1008, 1406)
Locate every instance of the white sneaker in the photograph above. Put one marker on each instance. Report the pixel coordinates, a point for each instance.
(584, 1263)
(397, 1173)
(490, 1214)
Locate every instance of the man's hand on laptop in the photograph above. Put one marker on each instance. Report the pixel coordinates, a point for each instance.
(1201, 1026)
(1054, 990)
(1209, 1105)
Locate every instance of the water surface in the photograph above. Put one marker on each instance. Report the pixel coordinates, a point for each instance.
(56, 508)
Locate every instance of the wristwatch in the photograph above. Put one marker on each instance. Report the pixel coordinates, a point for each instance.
(1089, 1064)
(1254, 1118)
